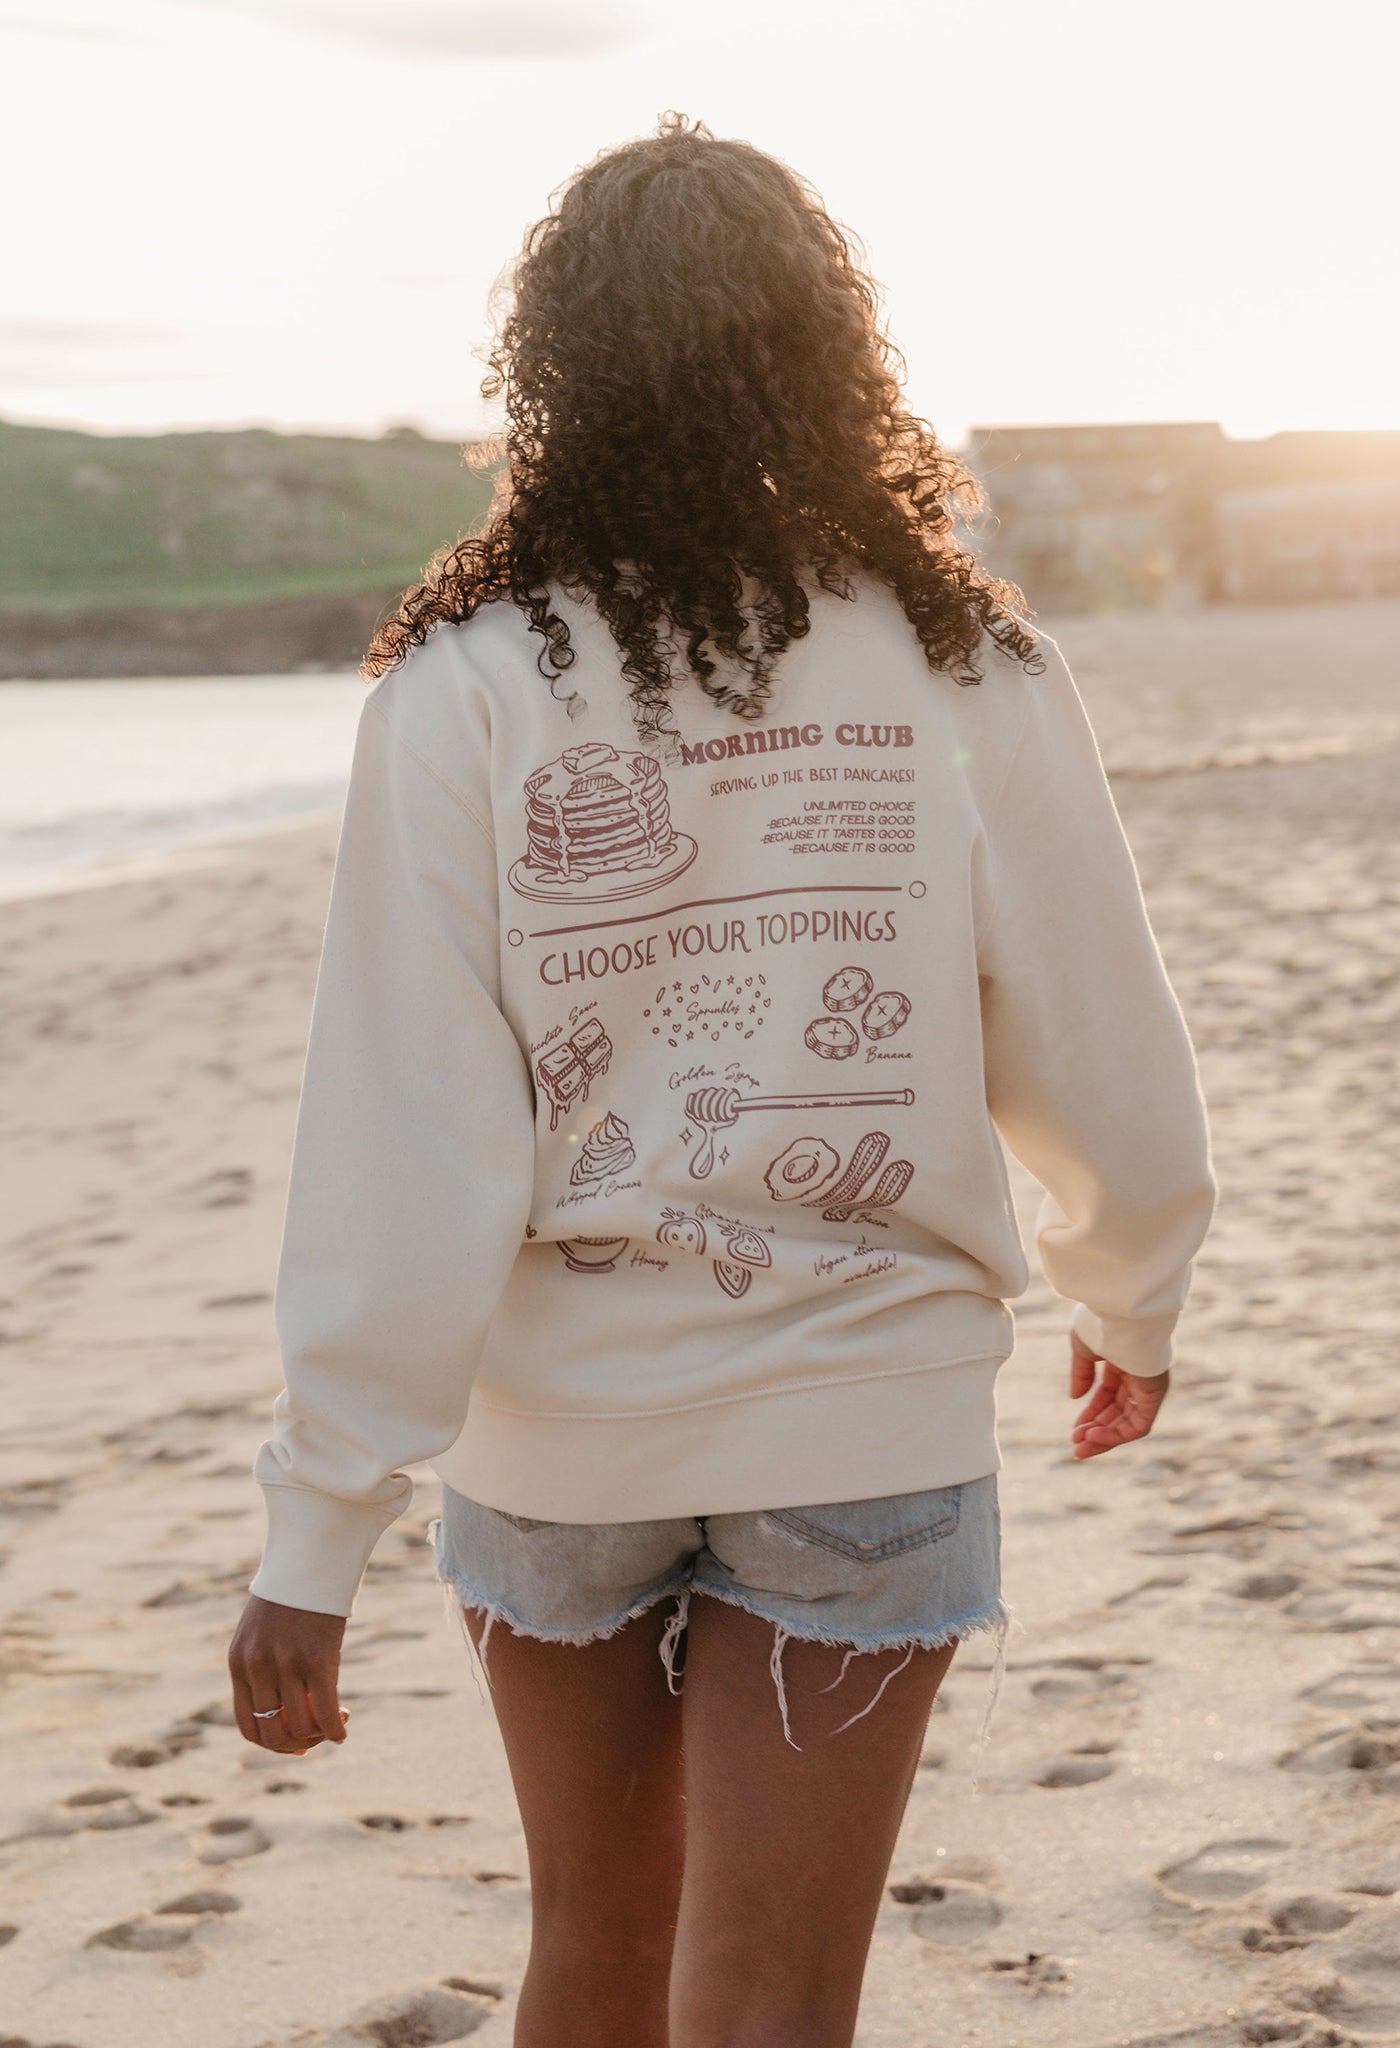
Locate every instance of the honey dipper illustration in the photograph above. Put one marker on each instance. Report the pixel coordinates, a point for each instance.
(715, 1109)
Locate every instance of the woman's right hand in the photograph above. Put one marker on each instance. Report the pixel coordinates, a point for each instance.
(1121, 1408)
(285, 1667)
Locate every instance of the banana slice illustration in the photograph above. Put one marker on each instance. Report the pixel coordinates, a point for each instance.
(831, 1038)
(885, 1014)
(848, 988)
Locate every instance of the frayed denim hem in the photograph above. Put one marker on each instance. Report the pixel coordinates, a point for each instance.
(459, 1593)
(996, 1617)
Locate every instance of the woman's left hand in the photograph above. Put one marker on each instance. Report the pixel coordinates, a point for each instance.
(1121, 1408)
(287, 1659)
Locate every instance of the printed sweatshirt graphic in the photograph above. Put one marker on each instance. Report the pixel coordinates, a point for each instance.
(649, 1159)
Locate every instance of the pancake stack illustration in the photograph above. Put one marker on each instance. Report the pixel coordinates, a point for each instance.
(598, 823)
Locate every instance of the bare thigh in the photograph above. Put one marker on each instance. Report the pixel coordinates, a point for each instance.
(787, 1850)
(592, 1735)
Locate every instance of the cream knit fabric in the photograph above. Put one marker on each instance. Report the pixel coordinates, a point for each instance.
(649, 1154)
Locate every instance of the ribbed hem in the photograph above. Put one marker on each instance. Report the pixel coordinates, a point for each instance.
(1136, 1344)
(859, 1439)
(316, 1550)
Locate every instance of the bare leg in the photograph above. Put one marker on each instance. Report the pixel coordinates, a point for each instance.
(592, 1735)
(787, 1850)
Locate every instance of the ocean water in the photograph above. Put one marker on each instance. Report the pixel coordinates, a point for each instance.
(96, 777)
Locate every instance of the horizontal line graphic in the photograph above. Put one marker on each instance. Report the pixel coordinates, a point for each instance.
(564, 931)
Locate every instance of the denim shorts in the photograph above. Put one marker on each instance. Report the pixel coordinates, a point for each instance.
(908, 1571)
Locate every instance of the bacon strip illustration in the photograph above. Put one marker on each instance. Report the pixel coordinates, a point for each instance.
(865, 1160)
(887, 1190)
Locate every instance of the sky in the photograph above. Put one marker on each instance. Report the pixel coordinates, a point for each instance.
(292, 212)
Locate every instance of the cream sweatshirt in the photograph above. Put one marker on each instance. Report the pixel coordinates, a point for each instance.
(648, 1157)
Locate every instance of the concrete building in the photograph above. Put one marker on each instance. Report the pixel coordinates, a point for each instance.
(1095, 518)
(1292, 543)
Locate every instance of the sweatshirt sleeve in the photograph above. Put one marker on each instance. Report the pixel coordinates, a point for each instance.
(411, 1174)
(1091, 1078)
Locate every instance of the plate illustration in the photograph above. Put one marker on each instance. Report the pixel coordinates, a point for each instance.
(613, 888)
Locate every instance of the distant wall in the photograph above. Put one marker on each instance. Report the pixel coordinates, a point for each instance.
(1290, 543)
(1175, 513)
(280, 635)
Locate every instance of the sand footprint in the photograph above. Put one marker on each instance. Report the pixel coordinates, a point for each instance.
(172, 1926)
(24, 1498)
(1370, 1747)
(1236, 1534)
(948, 1912)
(96, 1806)
(1297, 1921)
(1222, 1871)
(1267, 1586)
(162, 1749)
(1367, 1998)
(213, 1586)
(201, 1902)
(1150, 1592)
(218, 1714)
(1374, 1874)
(417, 2019)
(101, 1808)
(1309, 1913)
(1036, 1973)
(226, 1840)
(1363, 1684)
(1082, 1768)
(227, 1187)
(143, 1937)
(1179, 2037)
(1287, 2031)
(1329, 1613)
(1078, 1681)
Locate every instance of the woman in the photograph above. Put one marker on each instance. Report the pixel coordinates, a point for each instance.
(726, 862)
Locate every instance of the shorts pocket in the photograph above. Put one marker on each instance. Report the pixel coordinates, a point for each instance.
(869, 1531)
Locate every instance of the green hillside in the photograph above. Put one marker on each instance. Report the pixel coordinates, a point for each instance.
(221, 519)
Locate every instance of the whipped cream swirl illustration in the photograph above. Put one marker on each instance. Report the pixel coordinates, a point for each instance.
(607, 1149)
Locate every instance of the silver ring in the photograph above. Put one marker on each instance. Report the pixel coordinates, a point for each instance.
(267, 1713)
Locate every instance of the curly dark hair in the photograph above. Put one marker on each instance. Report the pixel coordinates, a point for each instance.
(699, 388)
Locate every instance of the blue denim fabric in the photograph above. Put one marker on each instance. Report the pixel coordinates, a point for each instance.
(909, 1571)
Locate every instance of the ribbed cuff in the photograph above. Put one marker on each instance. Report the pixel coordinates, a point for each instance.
(316, 1550)
(1137, 1344)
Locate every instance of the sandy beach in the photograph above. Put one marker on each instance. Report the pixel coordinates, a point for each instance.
(1186, 1827)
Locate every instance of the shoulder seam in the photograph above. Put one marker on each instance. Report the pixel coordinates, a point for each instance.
(994, 807)
(436, 774)
(993, 817)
